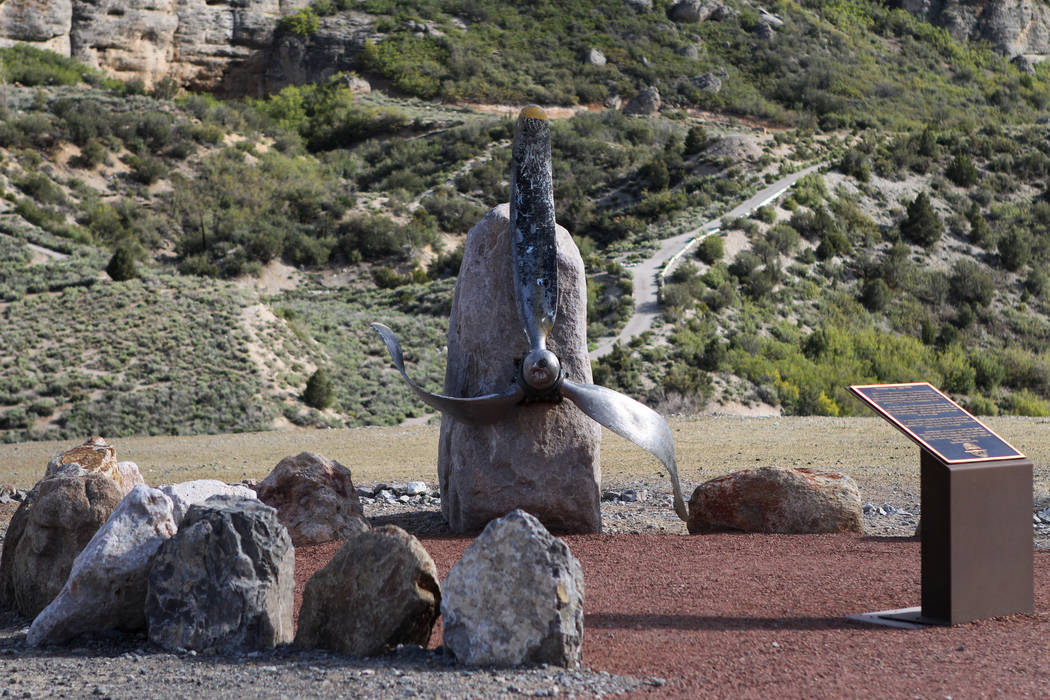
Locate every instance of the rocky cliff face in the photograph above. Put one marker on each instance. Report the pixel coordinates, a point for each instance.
(225, 45)
(1013, 27)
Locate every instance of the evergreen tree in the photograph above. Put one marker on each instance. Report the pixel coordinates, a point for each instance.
(318, 393)
(121, 266)
(961, 171)
(922, 226)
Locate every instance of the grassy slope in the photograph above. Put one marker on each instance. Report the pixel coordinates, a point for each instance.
(220, 188)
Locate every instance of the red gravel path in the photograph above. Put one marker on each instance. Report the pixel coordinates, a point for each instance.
(764, 616)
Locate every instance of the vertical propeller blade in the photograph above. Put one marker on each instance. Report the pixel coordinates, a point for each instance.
(533, 242)
(633, 420)
(479, 410)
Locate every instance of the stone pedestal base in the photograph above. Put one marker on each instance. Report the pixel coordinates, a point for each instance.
(542, 458)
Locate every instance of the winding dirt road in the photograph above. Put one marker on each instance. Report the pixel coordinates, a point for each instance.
(646, 275)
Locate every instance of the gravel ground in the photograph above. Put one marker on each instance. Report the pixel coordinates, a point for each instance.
(883, 463)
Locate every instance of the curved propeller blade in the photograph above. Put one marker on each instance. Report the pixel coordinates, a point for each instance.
(532, 225)
(479, 410)
(633, 420)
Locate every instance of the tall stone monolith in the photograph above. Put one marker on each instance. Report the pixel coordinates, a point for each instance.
(542, 458)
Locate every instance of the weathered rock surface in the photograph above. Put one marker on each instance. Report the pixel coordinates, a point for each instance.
(690, 11)
(595, 58)
(645, 102)
(224, 581)
(314, 497)
(188, 493)
(203, 44)
(776, 499)
(380, 590)
(95, 455)
(49, 529)
(1012, 27)
(106, 589)
(543, 458)
(514, 598)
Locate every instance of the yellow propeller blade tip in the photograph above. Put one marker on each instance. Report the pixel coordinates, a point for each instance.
(533, 112)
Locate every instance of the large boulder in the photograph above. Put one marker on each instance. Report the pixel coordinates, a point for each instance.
(49, 529)
(224, 581)
(95, 455)
(514, 598)
(543, 458)
(776, 499)
(314, 497)
(187, 493)
(690, 11)
(106, 588)
(379, 590)
(645, 102)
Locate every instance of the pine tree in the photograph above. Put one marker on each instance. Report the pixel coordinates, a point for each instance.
(318, 393)
(121, 266)
(922, 226)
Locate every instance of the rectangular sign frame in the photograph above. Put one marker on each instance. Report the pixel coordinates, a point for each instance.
(951, 422)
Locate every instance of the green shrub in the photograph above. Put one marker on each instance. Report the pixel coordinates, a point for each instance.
(875, 295)
(711, 249)
(921, 225)
(319, 393)
(961, 171)
(1015, 249)
(302, 23)
(969, 282)
(121, 266)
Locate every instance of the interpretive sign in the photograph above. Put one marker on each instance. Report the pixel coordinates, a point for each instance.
(936, 422)
(976, 493)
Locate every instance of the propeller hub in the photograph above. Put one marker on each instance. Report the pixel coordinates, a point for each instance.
(541, 371)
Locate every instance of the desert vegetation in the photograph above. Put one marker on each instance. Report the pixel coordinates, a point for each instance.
(134, 221)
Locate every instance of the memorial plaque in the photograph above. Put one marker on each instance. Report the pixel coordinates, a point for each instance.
(936, 422)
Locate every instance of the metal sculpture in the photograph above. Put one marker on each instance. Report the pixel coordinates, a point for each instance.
(539, 375)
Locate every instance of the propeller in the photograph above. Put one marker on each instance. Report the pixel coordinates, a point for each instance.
(540, 377)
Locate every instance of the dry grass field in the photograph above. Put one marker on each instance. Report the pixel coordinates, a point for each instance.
(878, 457)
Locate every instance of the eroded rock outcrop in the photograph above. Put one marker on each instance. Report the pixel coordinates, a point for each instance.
(1012, 27)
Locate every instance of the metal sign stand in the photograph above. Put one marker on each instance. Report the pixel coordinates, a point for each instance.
(977, 558)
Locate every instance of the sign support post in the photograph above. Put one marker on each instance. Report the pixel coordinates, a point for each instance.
(976, 493)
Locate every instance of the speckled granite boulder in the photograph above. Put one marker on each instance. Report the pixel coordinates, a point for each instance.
(776, 499)
(379, 590)
(515, 598)
(543, 458)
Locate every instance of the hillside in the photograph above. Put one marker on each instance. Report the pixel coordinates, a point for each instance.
(260, 236)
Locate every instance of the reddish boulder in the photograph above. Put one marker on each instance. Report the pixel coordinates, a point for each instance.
(776, 499)
(314, 497)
